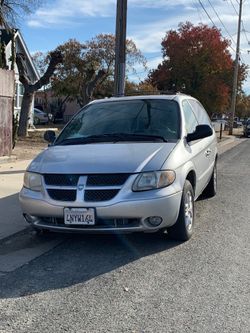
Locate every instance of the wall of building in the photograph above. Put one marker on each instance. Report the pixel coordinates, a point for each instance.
(6, 107)
(46, 101)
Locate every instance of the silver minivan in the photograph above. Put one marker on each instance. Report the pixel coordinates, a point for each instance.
(128, 164)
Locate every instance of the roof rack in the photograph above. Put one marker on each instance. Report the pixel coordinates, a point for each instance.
(153, 92)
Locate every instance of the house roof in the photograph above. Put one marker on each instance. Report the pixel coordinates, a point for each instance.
(5, 36)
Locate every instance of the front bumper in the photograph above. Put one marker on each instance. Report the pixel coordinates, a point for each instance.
(49, 215)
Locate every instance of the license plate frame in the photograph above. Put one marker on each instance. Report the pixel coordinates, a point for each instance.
(79, 216)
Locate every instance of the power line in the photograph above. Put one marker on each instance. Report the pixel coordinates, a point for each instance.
(198, 11)
(221, 21)
(237, 13)
(236, 69)
(245, 32)
(153, 57)
(243, 27)
(213, 21)
(206, 12)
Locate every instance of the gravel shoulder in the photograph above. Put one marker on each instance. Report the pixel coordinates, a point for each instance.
(28, 148)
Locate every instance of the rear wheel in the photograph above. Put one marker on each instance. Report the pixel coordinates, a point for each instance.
(183, 228)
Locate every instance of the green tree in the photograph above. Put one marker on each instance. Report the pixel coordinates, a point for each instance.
(89, 67)
(243, 106)
(197, 61)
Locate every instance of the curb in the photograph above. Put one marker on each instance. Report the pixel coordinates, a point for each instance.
(229, 143)
(8, 159)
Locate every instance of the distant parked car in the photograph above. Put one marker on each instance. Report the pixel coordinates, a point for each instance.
(217, 124)
(40, 117)
(246, 128)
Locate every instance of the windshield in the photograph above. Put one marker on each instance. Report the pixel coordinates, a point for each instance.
(125, 120)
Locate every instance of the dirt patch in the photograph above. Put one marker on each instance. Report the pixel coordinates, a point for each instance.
(29, 148)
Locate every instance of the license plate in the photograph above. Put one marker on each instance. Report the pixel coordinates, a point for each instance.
(79, 216)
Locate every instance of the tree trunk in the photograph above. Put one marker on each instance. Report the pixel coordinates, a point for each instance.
(27, 103)
(30, 88)
(13, 49)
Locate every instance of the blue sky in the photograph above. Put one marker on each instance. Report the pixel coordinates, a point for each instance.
(148, 20)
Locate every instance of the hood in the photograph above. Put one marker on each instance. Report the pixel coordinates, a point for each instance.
(102, 158)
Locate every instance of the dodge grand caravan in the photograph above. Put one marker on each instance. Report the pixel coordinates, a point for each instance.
(128, 164)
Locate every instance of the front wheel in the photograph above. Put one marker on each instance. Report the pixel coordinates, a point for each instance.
(183, 228)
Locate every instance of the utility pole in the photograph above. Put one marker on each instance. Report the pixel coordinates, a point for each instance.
(236, 70)
(120, 47)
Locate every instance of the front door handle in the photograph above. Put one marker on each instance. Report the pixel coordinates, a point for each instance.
(207, 152)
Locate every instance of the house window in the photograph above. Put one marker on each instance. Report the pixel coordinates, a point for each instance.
(16, 95)
(19, 91)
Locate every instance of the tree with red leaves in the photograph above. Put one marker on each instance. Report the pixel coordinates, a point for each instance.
(197, 61)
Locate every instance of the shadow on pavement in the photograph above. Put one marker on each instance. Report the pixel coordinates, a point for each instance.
(79, 258)
(11, 219)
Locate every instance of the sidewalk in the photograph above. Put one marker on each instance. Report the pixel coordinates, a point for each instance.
(11, 179)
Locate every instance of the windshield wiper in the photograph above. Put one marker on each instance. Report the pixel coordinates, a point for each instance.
(112, 137)
(140, 137)
(84, 139)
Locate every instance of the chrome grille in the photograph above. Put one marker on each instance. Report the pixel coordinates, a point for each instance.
(62, 195)
(107, 179)
(61, 179)
(99, 195)
(97, 188)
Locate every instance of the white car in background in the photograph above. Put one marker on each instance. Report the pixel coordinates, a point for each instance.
(40, 117)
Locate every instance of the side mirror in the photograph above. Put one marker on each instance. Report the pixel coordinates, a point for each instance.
(49, 136)
(201, 131)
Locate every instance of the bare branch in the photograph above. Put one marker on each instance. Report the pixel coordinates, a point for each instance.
(92, 84)
(56, 58)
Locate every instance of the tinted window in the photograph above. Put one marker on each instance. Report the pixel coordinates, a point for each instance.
(190, 119)
(200, 113)
(141, 116)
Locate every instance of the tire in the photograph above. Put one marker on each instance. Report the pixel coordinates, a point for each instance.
(211, 189)
(182, 230)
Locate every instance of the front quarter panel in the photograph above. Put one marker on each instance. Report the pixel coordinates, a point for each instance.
(179, 161)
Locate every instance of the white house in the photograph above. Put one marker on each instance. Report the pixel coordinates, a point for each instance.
(21, 47)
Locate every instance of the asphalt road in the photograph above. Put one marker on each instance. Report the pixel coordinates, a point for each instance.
(140, 283)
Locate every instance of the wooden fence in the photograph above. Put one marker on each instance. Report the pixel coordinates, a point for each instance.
(6, 107)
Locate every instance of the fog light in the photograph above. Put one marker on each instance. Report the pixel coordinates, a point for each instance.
(155, 221)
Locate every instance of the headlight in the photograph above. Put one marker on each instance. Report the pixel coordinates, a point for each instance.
(153, 180)
(32, 181)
